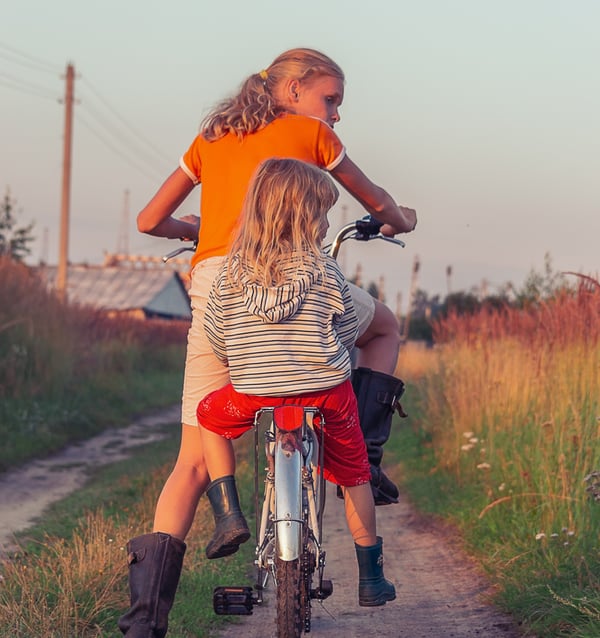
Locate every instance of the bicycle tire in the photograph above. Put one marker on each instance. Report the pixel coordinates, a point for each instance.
(289, 587)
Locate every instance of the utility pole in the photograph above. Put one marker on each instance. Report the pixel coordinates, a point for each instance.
(411, 296)
(449, 279)
(123, 243)
(63, 251)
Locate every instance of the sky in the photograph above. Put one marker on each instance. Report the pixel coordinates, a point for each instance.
(481, 115)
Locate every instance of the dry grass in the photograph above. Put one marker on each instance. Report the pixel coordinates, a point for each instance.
(515, 405)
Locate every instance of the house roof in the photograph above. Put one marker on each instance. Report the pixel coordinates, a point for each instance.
(155, 291)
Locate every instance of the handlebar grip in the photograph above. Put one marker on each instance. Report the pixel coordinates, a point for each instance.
(367, 227)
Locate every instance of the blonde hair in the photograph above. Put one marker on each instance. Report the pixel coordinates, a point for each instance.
(281, 222)
(256, 104)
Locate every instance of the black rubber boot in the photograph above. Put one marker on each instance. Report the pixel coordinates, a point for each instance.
(378, 396)
(231, 529)
(373, 589)
(155, 562)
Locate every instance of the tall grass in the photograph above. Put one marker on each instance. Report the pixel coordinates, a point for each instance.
(68, 371)
(512, 418)
(72, 583)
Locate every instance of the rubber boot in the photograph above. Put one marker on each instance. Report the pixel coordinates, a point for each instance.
(231, 529)
(373, 589)
(155, 562)
(378, 396)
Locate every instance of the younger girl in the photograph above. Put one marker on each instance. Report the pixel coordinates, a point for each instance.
(281, 317)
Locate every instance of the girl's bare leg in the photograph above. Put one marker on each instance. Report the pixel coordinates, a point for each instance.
(360, 514)
(379, 345)
(187, 482)
(220, 457)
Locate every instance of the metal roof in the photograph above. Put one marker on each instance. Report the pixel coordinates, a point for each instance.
(155, 291)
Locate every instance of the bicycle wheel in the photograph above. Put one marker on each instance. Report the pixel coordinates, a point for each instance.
(289, 588)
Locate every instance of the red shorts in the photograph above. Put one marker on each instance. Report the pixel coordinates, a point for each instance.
(345, 461)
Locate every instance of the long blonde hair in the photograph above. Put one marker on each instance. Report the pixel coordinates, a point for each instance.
(281, 222)
(256, 103)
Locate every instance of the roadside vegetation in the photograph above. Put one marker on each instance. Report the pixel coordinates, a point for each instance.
(68, 372)
(505, 445)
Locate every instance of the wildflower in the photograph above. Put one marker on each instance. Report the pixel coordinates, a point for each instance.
(466, 447)
(555, 535)
(483, 466)
(501, 487)
(473, 439)
(468, 435)
(539, 536)
(593, 487)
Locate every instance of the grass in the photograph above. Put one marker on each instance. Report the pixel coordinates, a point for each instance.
(68, 372)
(69, 579)
(504, 444)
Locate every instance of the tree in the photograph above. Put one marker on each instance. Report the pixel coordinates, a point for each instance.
(14, 242)
(541, 286)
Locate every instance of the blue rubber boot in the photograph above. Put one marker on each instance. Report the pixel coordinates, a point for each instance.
(231, 529)
(373, 589)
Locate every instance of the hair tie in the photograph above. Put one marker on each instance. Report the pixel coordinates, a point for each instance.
(263, 75)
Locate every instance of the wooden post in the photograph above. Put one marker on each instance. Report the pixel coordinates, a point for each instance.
(63, 252)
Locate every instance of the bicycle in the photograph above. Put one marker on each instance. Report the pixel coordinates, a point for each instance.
(289, 512)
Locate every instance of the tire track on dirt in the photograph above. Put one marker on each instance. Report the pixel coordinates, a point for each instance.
(440, 592)
(27, 491)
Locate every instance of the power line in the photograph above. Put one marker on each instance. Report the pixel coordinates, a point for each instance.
(110, 124)
(24, 59)
(132, 145)
(160, 154)
(21, 86)
(115, 150)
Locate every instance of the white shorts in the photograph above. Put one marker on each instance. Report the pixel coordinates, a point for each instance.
(364, 305)
(204, 372)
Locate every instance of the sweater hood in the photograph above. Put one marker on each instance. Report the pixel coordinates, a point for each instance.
(274, 304)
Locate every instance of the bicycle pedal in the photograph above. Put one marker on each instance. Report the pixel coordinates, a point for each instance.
(322, 592)
(233, 601)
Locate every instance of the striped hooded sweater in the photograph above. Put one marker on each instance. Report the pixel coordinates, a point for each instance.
(283, 340)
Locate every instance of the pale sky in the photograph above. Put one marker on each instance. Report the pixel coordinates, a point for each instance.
(482, 115)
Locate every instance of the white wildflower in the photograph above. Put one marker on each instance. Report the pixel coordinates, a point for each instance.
(468, 435)
(483, 466)
(539, 536)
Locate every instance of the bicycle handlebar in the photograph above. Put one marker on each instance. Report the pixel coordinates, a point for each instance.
(364, 229)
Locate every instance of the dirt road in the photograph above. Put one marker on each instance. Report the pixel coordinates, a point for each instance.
(440, 593)
(27, 491)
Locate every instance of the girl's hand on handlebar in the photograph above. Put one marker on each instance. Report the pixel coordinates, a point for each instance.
(193, 221)
(409, 221)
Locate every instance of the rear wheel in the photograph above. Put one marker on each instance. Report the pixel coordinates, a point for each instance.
(289, 588)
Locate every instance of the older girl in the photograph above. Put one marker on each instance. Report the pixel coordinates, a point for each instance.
(289, 110)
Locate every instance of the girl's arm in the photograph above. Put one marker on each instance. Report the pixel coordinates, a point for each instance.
(377, 201)
(156, 217)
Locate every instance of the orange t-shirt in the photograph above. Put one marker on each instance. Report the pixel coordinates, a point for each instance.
(224, 168)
